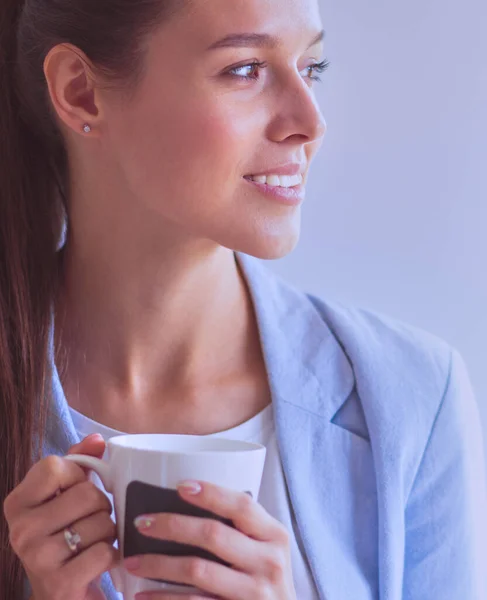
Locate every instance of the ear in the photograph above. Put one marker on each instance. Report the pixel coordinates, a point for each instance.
(71, 84)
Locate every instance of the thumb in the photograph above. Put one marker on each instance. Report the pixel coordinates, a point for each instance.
(92, 445)
(95, 592)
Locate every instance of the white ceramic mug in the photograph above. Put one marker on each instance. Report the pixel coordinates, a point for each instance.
(142, 472)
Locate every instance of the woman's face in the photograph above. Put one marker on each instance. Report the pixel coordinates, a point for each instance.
(205, 119)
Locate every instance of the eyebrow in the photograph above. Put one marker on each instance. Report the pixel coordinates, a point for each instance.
(256, 40)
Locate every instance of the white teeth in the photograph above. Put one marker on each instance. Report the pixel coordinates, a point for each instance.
(274, 180)
(285, 181)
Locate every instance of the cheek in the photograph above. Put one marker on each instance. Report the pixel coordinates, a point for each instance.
(205, 153)
(207, 141)
(193, 151)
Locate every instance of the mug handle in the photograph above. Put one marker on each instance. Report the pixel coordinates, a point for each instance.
(101, 468)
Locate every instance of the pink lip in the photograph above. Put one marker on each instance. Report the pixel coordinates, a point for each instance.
(293, 196)
(286, 169)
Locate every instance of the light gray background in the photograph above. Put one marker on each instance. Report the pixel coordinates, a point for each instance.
(396, 211)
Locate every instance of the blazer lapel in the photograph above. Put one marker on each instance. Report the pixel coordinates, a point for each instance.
(310, 379)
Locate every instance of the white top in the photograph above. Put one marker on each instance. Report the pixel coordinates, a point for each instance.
(273, 495)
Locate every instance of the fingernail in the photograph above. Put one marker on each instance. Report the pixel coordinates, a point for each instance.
(144, 522)
(94, 436)
(190, 487)
(132, 563)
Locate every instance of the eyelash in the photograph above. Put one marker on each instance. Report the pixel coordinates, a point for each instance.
(320, 67)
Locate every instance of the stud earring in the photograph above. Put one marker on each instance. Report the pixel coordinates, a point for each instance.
(86, 128)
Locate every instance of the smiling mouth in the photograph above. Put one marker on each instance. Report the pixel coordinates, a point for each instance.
(282, 181)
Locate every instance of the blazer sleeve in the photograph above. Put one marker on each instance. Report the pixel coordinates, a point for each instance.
(446, 511)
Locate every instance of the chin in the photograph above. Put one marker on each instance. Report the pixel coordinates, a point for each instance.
(268, 247)
(265, 238)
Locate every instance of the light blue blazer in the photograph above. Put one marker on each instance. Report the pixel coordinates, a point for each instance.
(381, 447)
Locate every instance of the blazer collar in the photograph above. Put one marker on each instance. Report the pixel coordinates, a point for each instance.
(305, 363)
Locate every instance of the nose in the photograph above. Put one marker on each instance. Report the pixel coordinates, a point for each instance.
(298, 113)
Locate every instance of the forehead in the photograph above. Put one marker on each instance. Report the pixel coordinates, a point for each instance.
(202, 22)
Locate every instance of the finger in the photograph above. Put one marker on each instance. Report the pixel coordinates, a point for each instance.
(203, 574)
(41, 484)
(248, 516)
(87, 566)
(51, 474)
(78, 502)
(49, 554)
(95, 592)
(168, 596)
(92, 445)
(231, 545)
(93, 529)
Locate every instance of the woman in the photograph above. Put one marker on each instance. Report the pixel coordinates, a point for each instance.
(177, 137)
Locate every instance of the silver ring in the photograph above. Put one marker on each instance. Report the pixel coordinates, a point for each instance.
(73, 540)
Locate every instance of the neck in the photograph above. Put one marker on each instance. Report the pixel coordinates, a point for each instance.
(165, 323)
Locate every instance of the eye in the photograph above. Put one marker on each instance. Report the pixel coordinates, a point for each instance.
(252, 69)
(317, 68)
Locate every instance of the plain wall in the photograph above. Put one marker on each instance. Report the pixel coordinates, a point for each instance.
(396, 211)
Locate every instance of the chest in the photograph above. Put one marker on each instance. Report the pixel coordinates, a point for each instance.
(202, 410)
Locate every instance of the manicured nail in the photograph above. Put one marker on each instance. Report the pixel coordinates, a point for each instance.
(132, 563)
(144, 522)
(190, 487)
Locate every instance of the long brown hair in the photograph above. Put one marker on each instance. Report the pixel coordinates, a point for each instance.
(33, 180)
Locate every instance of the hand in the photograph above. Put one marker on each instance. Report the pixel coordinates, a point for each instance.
(258, 549)
(37, 516)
